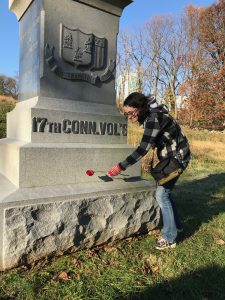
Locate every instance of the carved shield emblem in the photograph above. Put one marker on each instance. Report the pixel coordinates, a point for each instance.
(86, 52)
(82, 49)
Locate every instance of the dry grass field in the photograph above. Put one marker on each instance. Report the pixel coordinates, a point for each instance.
(205, 145)
(8, 99)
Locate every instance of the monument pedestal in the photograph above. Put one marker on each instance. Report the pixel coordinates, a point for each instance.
(42, 221)
(48, 204)
(66, 122)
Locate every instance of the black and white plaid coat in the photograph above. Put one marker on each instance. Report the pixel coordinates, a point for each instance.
(163, 132)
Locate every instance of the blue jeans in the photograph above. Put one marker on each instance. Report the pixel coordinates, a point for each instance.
(170, 216)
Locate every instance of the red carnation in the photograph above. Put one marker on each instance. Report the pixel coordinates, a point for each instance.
(90, 172)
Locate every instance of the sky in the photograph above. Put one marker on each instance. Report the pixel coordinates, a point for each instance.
(133, 16)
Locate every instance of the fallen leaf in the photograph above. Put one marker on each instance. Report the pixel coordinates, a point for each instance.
(114, 262)
(220, 242)
(91, 253)
(151, 259)
(132, 270)
(154, 269)
(154, 232)
(63, 276)
(109, 249)
(152, 262)
(130, 239)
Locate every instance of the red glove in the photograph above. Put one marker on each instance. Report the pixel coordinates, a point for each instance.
(114, 171)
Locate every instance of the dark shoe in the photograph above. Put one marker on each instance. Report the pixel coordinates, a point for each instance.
(163, 244)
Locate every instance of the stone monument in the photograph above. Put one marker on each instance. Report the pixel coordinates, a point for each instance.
(66, 122)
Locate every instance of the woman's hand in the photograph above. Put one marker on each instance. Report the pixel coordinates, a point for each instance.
(114, 171)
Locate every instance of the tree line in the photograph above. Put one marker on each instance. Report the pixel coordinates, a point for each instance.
(8, 86)
(180, 60)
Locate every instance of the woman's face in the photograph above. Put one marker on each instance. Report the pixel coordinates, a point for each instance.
(131, 113)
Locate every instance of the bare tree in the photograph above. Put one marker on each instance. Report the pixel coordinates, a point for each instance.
(156, 35)
(132, 64)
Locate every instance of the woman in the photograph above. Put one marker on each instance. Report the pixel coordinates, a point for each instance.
(163, 132)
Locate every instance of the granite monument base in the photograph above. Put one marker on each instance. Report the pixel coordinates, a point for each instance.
(42, 221)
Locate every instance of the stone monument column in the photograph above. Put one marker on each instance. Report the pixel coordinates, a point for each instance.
(66, 122)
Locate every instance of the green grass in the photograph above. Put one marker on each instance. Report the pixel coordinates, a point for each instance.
(132, 269)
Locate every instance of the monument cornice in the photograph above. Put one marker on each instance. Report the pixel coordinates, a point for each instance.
(114, 7)
(19, 7)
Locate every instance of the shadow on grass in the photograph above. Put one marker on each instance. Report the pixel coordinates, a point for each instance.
(199, 200)
(207, 283)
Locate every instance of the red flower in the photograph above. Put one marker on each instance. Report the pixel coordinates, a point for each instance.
(90, 172)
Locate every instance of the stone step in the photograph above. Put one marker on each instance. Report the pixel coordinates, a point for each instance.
(41, 164)
(41, 221)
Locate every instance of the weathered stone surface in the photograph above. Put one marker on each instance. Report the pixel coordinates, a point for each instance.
(66, 123)
(35, 231)
(44, 71)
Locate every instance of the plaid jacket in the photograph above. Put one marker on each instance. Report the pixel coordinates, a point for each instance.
(163, 132)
